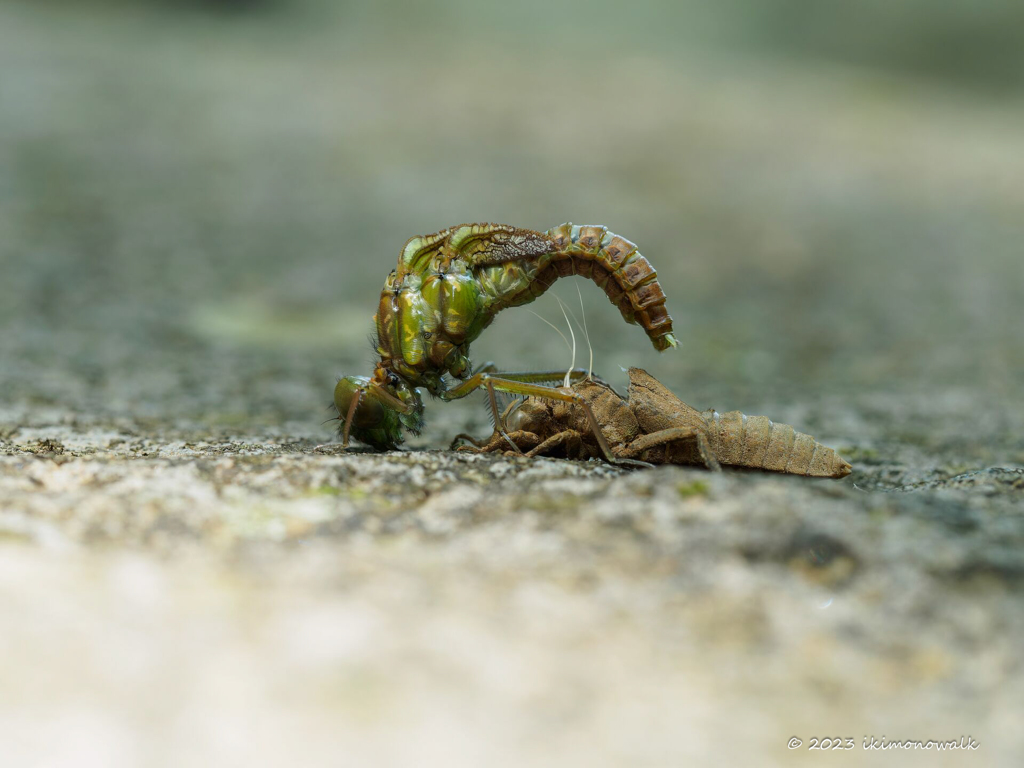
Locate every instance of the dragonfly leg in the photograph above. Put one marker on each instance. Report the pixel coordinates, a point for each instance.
(538, 377)
(459, 439)
(376, 391)
(525, 384)
(570, 438)
(483, 374)
(348, 416)
(499, 425)
(523, 439)
(671, 435)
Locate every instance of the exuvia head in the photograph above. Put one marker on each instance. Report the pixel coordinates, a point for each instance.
(375, 410)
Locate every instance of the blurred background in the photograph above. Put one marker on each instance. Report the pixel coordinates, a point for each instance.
(199, 202)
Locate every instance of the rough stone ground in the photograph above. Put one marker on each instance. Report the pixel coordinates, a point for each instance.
(195, 215)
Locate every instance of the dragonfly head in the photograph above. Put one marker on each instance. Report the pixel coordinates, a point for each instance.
(375, 410)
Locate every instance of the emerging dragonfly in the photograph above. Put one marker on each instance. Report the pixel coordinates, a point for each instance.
(447, 289)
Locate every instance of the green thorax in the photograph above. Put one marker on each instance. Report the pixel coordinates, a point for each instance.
(429, 314)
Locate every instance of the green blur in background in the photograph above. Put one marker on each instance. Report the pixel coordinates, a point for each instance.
(199, 201)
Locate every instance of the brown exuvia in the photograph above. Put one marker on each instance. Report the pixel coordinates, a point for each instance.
(656, 427)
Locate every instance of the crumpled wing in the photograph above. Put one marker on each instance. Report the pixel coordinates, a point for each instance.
(477, 245)
(656, 408)
(481, 245)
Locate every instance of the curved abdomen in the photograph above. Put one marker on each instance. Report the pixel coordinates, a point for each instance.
(611, 261)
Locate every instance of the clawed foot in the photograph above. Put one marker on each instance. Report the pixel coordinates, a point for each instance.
(499, 442)
(476, 446)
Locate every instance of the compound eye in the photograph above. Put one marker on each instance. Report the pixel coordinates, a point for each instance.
(392, 380)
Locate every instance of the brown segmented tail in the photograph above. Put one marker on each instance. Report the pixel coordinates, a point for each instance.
(759, 443)
(615, 264)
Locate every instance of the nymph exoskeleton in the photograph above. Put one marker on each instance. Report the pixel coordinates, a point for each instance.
(656, 427)
(447, 289)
